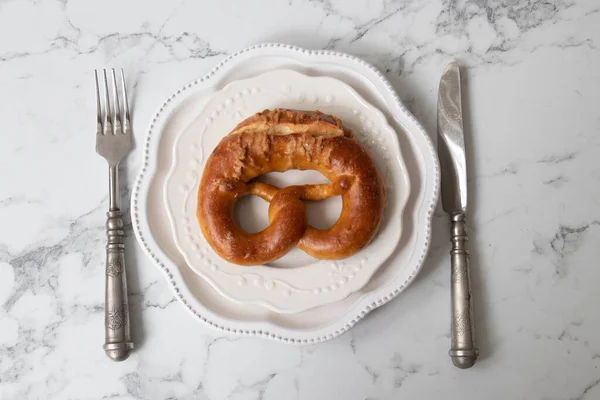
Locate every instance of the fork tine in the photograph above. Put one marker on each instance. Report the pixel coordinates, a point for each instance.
(126, 122)
(117, 109)
(107, 112)
(100, 129)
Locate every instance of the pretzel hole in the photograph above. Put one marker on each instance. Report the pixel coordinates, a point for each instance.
(323, 214)
(251, 213)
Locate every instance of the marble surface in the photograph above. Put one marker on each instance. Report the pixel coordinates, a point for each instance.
(532, 87)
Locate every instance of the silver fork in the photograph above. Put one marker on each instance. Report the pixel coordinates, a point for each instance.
(113, 142)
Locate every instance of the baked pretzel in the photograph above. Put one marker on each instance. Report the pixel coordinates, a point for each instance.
(276, 141)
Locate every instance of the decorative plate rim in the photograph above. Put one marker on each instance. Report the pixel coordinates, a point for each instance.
(265, 333)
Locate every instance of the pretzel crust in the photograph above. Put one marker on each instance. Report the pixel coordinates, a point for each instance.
(276, 141)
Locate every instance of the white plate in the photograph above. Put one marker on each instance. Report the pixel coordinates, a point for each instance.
(151, 224)
(297, 281)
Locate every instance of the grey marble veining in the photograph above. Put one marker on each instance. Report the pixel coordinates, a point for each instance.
(531, 78)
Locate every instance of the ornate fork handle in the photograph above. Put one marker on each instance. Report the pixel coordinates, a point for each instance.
(116, 327)
(463, 350)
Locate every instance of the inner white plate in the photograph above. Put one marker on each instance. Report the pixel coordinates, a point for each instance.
(296, 282)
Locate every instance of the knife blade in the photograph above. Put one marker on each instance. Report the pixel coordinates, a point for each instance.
(451, 152)
(451, 142)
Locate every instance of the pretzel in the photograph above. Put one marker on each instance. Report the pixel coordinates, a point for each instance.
(276, 141)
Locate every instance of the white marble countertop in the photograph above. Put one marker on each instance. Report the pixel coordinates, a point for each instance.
(533, 75)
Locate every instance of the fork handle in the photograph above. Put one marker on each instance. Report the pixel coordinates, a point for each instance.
(463, 350)
(117, 331)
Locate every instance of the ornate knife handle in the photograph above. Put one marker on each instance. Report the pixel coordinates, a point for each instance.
(117, 332)
(463, 350)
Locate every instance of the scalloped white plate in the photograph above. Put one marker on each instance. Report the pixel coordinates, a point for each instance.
(151, 223)
(297, 281)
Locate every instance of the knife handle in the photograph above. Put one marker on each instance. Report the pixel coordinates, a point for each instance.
(117, 331)
(463, 351)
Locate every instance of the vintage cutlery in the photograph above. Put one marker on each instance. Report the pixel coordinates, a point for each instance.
(113, 142)
(451, 149)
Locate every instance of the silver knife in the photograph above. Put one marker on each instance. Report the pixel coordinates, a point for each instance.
(451, 149)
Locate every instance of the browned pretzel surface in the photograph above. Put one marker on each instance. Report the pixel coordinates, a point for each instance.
(277, 141)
